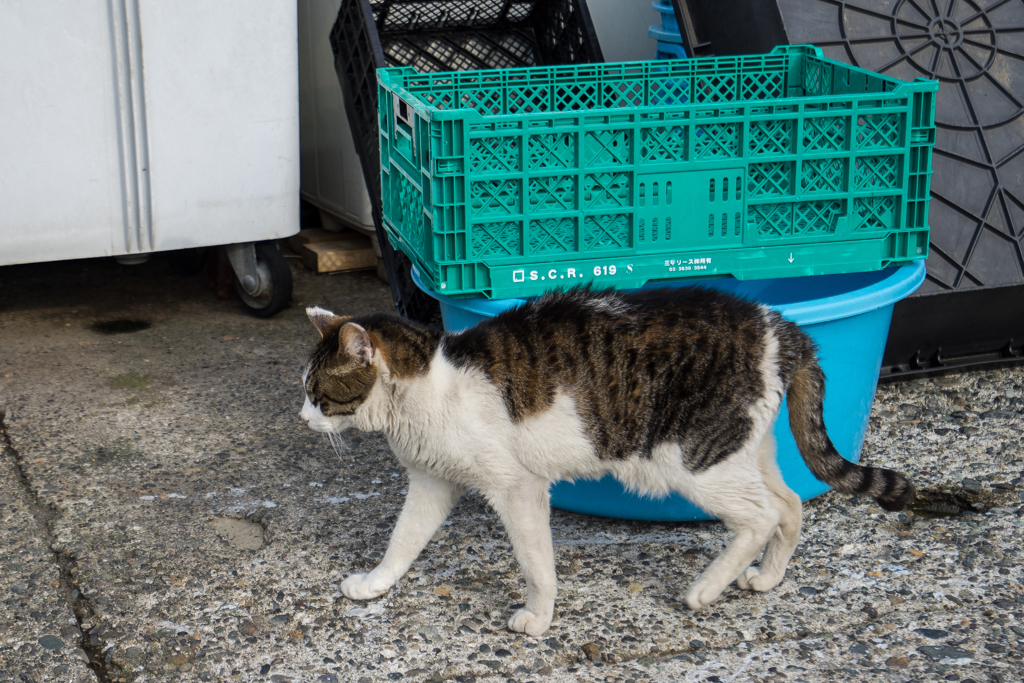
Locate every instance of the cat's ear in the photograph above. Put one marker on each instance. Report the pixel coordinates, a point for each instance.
(354, 341)
(323, 320)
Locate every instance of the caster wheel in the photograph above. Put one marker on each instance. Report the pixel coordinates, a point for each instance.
(276, 281)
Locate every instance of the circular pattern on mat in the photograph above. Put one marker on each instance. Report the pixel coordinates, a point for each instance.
(975, 49)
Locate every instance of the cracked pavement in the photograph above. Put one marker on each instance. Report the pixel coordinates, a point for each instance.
(164, 516)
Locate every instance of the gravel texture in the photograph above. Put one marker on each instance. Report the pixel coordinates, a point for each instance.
(166, 517)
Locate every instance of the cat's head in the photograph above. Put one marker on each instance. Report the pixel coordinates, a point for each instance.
(340, 375)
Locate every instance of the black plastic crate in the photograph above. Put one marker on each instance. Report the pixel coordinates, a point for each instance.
(950, 329)
(442, 35)
(970, 309)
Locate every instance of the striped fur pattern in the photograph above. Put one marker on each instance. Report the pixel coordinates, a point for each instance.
(670, 390)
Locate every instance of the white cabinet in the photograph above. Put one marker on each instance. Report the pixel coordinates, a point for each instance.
(132, 126)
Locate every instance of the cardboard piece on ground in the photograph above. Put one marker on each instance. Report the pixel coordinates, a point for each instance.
(350, 252)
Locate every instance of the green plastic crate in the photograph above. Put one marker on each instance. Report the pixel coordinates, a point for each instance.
(504, 182)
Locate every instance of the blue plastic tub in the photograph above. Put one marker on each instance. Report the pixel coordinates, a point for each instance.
(664, 36)
(668, 14)
(670, 42)
(846, 315)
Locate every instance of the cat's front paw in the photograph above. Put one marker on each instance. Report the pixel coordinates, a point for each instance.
(743, 581)
(753, 580)
(701, 594)
(361, 587)
(525, 621)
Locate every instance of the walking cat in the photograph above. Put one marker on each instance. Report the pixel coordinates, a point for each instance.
(666, 389)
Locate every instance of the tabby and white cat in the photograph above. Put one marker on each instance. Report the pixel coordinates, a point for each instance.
(667, 389)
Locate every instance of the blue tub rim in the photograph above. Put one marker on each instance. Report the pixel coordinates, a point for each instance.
(894, 284)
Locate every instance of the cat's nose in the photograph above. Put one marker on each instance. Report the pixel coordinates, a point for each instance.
(303, 418)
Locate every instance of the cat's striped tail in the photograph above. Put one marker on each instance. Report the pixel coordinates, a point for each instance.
(805, 398)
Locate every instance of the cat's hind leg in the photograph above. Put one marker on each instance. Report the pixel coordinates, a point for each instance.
(426, 506)
(733, 491)
(784, 541)
(525, 510)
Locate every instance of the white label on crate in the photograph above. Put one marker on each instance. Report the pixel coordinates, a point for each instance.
(551, 274)
(612, 269)
(569, 273)
(683, 265)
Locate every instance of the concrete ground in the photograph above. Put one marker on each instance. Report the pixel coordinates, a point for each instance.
(164, 516)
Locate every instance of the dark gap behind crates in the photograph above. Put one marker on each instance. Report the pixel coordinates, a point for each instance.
(442, 35)
(970, 309)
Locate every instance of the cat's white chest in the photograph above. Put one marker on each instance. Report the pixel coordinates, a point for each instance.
(454, 423)
(553, 444)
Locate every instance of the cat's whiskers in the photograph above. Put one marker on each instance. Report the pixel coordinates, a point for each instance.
(338, 443)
